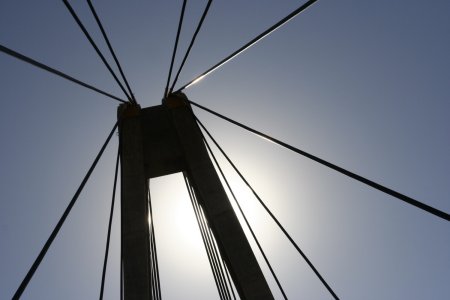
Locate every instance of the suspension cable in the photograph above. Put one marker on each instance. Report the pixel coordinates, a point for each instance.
(121, 248)
(249, 44)
(271, 214)
(148, 244)
(58, 226)
(211, 246)
(205, 12)
(153, 291)
(411, 201)
(105, 37)
(155, 268)
(180, 24)
(153, 252)
(208, 252)
(215, 250)
(153, 272)
(218, 279)
(218, 258)
(244, 216)
(88, 36)
(121, 275)
(111, 214)
(54, 71)
(229, 280)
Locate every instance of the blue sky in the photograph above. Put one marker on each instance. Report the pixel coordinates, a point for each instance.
(363, 84)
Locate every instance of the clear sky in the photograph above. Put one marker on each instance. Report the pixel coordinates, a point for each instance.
(363, 84)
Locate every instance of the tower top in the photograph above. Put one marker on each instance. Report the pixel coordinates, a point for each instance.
(175, 100)
(128, 109)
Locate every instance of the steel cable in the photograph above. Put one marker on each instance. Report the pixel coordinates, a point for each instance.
(180, 24)
(409, 200)
(205, 12)
(58, 226)
(209, 247)
(108, 236)
(154, 256)
(205, 243)
(251, 43)
(91, 41)
(105, 37)
(245, 218)
(42, 66)
(327, 286)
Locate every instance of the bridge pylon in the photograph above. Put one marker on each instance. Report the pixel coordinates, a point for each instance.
(162, 140)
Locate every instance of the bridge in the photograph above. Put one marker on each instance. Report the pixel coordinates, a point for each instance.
(327, 207)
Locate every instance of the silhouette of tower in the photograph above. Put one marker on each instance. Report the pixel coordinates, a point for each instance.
(162, 140)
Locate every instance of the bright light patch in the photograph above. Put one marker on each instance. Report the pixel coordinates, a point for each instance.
(196, 80)
(181, 253)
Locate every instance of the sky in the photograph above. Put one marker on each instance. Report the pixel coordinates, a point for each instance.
(362, 84)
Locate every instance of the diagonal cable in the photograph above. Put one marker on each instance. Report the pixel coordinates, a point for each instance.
(212, 246)
(54, 71)
(244, 216)
(180, 24)
(153, 290)
(88, 36)
(148, 246)
(327, 286)
(219, 259)
(108, 236)
(154, 255)
(105, 36)
(209, 247)
(249, 44)
(409, 200)
(121, 275)
(215, 250)
(204, 239)
(60, 223)
(205, 12)
(156, 281)
(228, 279)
